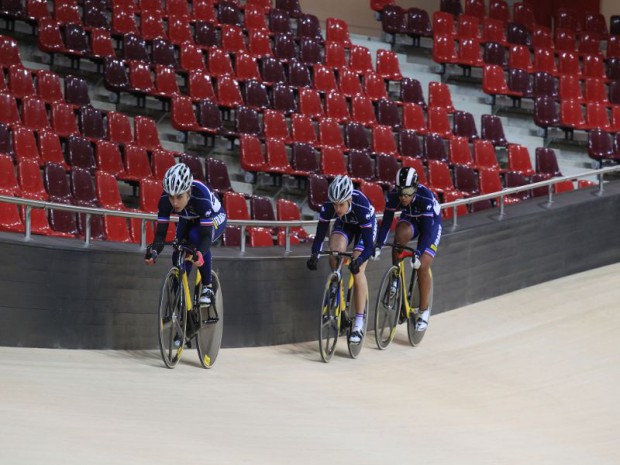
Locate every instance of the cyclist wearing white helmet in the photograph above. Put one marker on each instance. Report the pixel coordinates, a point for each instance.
(202, 220)
(355, 223)
(420, 217)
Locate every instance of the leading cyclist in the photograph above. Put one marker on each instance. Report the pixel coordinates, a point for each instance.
(420, 217)
(355, 223)
(202, 220)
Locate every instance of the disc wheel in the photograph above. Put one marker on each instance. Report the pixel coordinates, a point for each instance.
(172, 319)
(415, 336)
(329, 326)
(355, 349)
(211, 326)
(387, 308)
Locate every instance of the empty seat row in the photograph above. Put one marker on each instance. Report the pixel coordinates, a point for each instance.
(302, 159)
(261, 209)
(80, 191)
(603, 146)
(23, 82)
(569, 116)
(87, 121)
(518, 83)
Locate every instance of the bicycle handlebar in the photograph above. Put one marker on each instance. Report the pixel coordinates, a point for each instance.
(180, 246)
(335, 253)
(405, 251)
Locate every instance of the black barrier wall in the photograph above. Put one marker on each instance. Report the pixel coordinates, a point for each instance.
(57, 293)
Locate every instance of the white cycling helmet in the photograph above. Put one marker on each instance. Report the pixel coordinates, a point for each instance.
(178, 179)
(340, 189)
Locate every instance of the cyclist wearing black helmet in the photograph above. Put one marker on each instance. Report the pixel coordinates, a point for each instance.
(355, 223)
(202, 220)
(420, 217)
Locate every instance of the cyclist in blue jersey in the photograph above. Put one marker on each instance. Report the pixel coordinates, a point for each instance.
(420, 217)
(355, 223)
(202, 220)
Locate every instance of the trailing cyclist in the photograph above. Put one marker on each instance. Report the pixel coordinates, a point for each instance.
(355, 223)
(420, 217)
(202, 220)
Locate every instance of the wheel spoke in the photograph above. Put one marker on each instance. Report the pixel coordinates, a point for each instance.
(387, 308)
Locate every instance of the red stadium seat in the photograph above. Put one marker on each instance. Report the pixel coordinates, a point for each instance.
(251, 154)
(388, 66)
(302, 129)
(362, 111)
(383, 141)
(439, 96)
(519, 160)
(277, 157)
(109, 158)
(332, 162)
(337, 30)
(439, 176)
(439, 122)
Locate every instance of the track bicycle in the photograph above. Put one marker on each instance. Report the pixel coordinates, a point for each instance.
(181, 318)
(392, 309)
(337, 314)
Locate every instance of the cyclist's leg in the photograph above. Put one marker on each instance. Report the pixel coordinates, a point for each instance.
(424, 279)
(360, 287)
(181, 233)
(338, 241)
(218, 229)
(424, 273)
(402, 235)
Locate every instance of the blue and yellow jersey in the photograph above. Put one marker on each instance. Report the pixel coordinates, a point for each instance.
(361, 214)
(424, 212)
(203, 206)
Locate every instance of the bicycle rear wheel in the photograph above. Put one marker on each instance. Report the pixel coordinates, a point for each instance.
(329, 326)
(209, 335)
(172, 319)
(355, 349)
(415, 335)
(387, 308)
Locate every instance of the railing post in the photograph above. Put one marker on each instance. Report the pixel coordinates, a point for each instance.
(143, 233)
(454, 209)
(287, 240)
(600, 184)
(501, 205)
(87, 231)
(28, 222)
(550, 194)
(243, 238)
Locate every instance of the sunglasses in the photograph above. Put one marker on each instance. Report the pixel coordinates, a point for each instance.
(406, 192)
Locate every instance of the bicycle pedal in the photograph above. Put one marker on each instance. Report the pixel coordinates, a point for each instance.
(210, 321)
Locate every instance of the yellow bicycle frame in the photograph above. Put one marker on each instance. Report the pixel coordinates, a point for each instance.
(409, 308)
(189, 301)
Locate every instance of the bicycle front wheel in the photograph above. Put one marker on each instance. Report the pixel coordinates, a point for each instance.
(389, 301)
(172, 319)
(329, 327)
(356, 348)
(211, 327)
(415, 335)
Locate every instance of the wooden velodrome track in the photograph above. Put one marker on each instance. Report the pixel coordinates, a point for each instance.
(530, 377)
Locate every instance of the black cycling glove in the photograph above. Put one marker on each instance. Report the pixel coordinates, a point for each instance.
(312, 262)
(354, 266)
(153, 250)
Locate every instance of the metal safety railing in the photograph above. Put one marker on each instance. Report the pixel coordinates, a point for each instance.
(500, 197)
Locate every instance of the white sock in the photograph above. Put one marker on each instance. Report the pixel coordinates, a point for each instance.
(359, 322)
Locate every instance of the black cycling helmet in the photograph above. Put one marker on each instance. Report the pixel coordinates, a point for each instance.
(407, 177)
